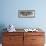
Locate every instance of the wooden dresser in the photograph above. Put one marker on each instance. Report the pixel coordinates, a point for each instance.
(23, 38)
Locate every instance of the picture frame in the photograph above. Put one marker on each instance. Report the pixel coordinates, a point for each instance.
(26, 13)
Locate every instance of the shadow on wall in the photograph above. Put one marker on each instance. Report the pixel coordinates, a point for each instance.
(2, 26)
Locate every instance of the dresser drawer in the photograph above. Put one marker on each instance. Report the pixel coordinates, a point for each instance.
(13, 44)
(37, 44)
(13, 33)
(12, 39)
(37, 39)
(34, 33)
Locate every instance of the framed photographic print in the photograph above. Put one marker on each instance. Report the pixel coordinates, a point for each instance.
(26, 13)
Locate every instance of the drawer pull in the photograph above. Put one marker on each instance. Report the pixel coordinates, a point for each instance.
(10, 39)
(33, 39)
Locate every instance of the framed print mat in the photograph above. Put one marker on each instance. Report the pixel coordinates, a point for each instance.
(26, 13)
